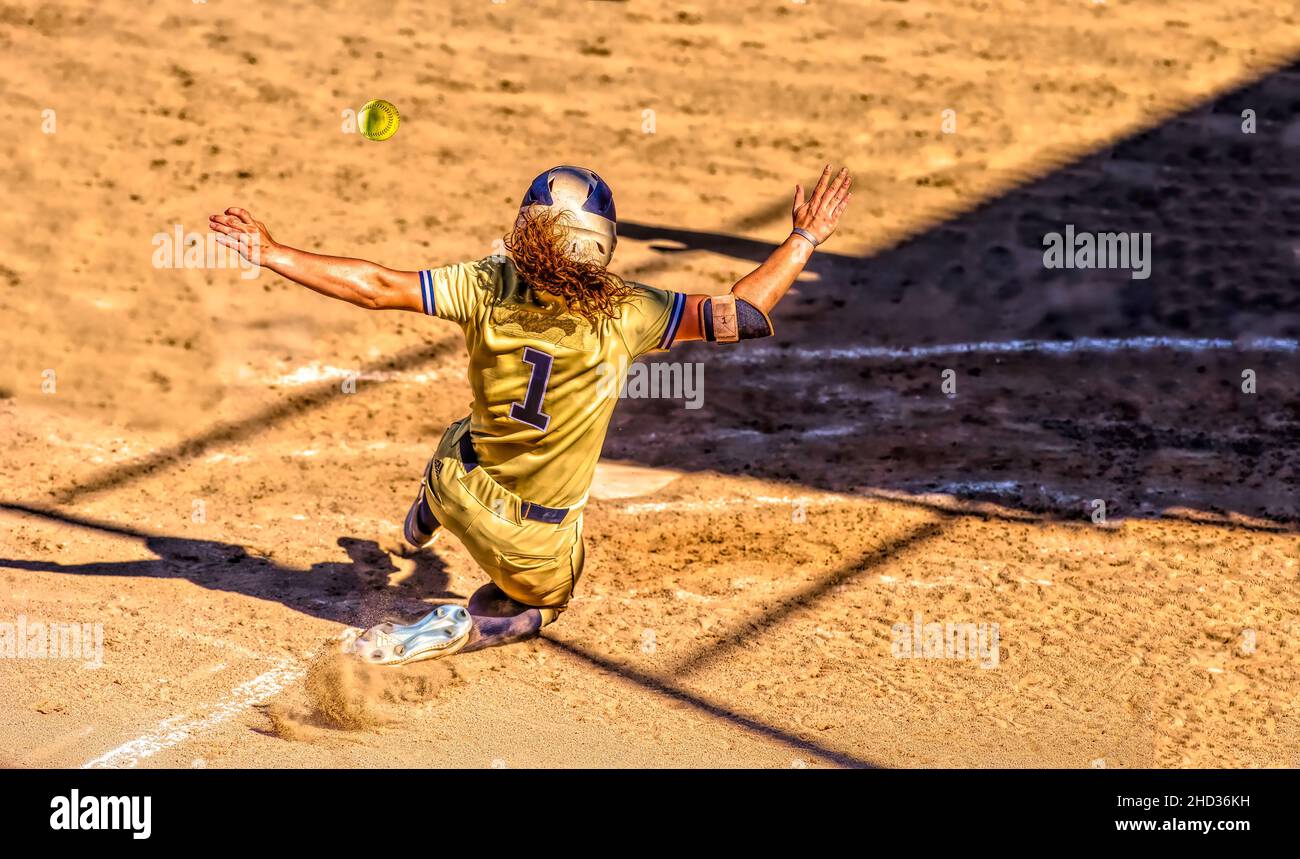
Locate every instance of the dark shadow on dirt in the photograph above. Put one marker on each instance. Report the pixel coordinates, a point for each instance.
(849, 395)
(367, 588)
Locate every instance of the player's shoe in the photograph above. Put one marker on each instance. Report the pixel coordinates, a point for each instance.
(439, 633)
(422, 527)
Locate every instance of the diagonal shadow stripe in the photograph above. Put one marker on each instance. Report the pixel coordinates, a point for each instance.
(226, 432)
(76, 520)
(809, 594)
(670, 690)
(1038, 166)
(803, 597)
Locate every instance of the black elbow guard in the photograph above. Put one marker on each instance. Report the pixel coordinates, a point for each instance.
(726, 319)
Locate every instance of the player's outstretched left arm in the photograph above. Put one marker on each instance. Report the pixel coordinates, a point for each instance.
(356, 281)
(815, 219)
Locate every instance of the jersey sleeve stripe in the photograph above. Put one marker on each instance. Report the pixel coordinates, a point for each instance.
(674, 320)
(426, 291)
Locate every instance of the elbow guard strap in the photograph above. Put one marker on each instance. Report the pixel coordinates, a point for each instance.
(726, 319)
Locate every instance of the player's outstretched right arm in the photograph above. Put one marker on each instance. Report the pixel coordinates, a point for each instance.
(356, 281)
(815, 218)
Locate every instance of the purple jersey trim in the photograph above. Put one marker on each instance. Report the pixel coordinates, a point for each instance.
(426, 292)
(674, 320)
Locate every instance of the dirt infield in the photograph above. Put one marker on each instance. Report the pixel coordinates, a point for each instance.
(212, 470)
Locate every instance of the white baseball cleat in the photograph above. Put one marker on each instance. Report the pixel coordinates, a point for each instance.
(441, 632)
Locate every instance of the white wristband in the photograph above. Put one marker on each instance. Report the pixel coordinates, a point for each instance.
(800, 231)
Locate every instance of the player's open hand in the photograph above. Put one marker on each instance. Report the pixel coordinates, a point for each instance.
(820, 213)
(239, 230)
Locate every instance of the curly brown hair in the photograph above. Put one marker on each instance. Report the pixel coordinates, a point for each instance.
(544, 261)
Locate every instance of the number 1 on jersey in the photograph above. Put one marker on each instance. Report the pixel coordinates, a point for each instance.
(530, 410)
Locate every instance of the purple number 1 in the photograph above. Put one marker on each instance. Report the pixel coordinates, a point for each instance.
(530, 410)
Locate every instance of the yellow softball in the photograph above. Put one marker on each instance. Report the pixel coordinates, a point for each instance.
(378, 120)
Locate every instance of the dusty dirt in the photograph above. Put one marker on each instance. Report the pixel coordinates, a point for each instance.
(198, 481)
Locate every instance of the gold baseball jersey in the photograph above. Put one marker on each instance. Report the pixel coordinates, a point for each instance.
(545, 380)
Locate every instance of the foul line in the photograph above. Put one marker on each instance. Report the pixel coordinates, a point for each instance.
(177, 729)
(1043, 347)
(174, 730)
